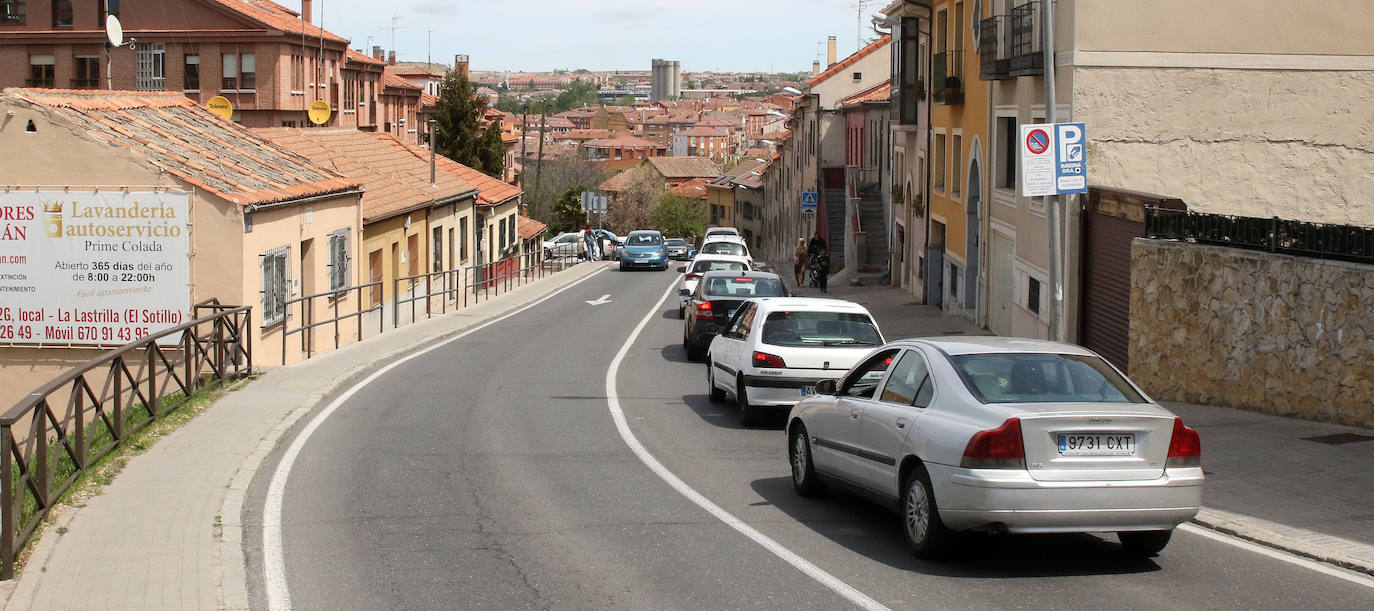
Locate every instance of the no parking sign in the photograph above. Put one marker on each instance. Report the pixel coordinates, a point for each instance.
(1053, 159)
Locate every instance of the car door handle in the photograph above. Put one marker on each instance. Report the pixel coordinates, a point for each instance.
(854, 413)
(901, 423)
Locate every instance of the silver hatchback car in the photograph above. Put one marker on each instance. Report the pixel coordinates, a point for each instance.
(1000, 435)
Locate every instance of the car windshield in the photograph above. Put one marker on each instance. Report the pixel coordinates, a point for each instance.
(675, 242)
(645, 239)
(820, 329)
(723, 248)
(1043, 378)
(746, 287)
(709, 266)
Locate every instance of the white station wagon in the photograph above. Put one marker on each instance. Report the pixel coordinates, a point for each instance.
(775, 350)
(1000, 435)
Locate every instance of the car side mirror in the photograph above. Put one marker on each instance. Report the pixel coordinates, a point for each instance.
(682, 269)
(825, 387)
(683, 292)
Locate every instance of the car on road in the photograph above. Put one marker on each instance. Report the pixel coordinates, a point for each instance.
(701, 265)
(725, 245)
(775, 351)
(1000, 435)
(679, 249)
(611, 244)
(644, 248)
(719, 231)
(714, 301)
(568, 244)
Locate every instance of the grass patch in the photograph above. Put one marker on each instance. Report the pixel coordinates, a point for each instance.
(176, 411)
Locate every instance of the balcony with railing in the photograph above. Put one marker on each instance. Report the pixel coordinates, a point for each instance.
(1026, 56)
(948, 69)
(994, 48)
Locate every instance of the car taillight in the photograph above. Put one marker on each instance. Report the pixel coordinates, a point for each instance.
(1185, 447)
(763, 359)
(704, 310)
(999, 448)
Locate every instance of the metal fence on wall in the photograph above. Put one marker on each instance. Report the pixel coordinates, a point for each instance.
(50, 436)
(1318, 240)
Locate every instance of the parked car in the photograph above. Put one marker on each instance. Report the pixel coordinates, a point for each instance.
(1001, 435)
(568, 244)
(644, 248)
(611, 244)
(715, 299)
(775, 351)
(700, 265)
(726, 245)
(679, 249)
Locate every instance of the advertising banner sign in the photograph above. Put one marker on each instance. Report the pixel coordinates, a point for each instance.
(92, 268)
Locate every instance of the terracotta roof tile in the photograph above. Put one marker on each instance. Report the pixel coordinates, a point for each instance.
(685, 167)
(396, 180)
(179, 136)
(492, 191)
(851, 60)
(357, 56)
(694, 188)
(395, 81)
(277, 17)
(704, 131)
(528, 227)
(615, 183)
(623, 142)
(878, 93)
(585, 134)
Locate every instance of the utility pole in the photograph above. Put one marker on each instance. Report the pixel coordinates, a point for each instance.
(1056, 293)
(524, 123)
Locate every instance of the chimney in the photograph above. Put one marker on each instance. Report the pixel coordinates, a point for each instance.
(830, 51)
(306, 13)
(377, 52)
(815, 67)
(391, 58)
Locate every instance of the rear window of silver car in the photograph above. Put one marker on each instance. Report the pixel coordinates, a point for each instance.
(710, 266)
(1043, 378)
(743, 287)
(820, 329)
(723, 248)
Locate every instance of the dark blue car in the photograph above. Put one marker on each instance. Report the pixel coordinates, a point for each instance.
(644, 248)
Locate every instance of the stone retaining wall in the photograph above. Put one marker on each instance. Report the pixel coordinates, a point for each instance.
(1253, 330)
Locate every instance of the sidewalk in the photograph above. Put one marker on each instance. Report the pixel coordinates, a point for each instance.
(166, 533)
(1295, 485)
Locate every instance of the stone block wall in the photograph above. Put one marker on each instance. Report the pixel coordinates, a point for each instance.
(1253, 330)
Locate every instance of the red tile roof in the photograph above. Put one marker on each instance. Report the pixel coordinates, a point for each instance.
(779, 137)
(395, 81)
(878, 93)
(404, 70)
(710, 132)
(616, 182)
(851, 60)
(623, 142)
(277, 17)
(176, 134)
(584, 134)
(356, 56)
(396, 180)
(694, 188)
(685, 167)
(528, 227)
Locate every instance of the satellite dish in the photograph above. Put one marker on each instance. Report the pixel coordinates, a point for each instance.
(114, 32)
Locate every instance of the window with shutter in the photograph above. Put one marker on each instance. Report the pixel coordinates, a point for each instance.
(274, 289)
(338, 260)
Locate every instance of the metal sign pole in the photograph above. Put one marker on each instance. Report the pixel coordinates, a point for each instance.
(1052, 201)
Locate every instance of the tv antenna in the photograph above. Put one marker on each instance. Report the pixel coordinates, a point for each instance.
(393, 28)
(860, 5)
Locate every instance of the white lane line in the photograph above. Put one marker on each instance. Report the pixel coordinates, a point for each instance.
(1320, 567)
(273, 559)
(617, 414)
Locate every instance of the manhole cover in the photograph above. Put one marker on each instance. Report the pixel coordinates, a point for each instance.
(1339, 438)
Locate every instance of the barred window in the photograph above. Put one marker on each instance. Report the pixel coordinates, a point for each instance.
(338, 260)
(274, 289)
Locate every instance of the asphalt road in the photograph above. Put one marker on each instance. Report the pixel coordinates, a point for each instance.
(489, 474)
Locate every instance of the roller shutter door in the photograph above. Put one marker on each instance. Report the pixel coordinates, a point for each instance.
(1105, 312)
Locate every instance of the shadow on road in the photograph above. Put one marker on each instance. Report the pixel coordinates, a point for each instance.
(675, 353)
(726, 414)
(875, 532)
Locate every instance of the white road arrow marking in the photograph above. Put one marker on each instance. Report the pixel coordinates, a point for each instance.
(603, 299)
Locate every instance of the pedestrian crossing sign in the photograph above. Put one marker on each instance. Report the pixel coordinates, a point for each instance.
(809, 201)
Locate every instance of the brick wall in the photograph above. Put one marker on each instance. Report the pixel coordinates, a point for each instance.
(1253, 330)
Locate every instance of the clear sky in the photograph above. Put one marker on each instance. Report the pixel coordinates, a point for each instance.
(541, 35)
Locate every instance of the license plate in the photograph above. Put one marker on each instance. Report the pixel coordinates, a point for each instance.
(1096, 444)
(807, 391)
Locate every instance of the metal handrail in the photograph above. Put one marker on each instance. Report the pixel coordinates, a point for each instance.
(308, 316)
(48, 437)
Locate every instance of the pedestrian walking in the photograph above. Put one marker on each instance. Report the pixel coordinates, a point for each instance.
(823, 269)
(799, 261)
(817, 245)
(590, 237)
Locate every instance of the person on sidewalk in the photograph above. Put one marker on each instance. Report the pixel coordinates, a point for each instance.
(816, 246)
(799, 262)
(590, 238)
(823, 269)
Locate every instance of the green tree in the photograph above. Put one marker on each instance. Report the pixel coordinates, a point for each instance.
(575, 95)
(675, 215)
(628, 100)
(457, 132)
(493, 152)
(567, 212)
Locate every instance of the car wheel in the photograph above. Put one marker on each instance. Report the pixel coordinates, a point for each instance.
(1146, 542)
(804, 479)
(681, 313)
(715, 393)
(748, 415)
(694, 352)
(622, 266)
(925, 532)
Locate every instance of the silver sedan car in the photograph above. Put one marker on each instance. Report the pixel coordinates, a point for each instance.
(999, 435)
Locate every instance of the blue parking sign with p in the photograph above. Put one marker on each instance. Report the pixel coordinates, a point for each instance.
(1070, 167)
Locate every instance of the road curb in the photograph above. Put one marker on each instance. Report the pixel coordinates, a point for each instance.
(230, 563)
(1307, 544)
